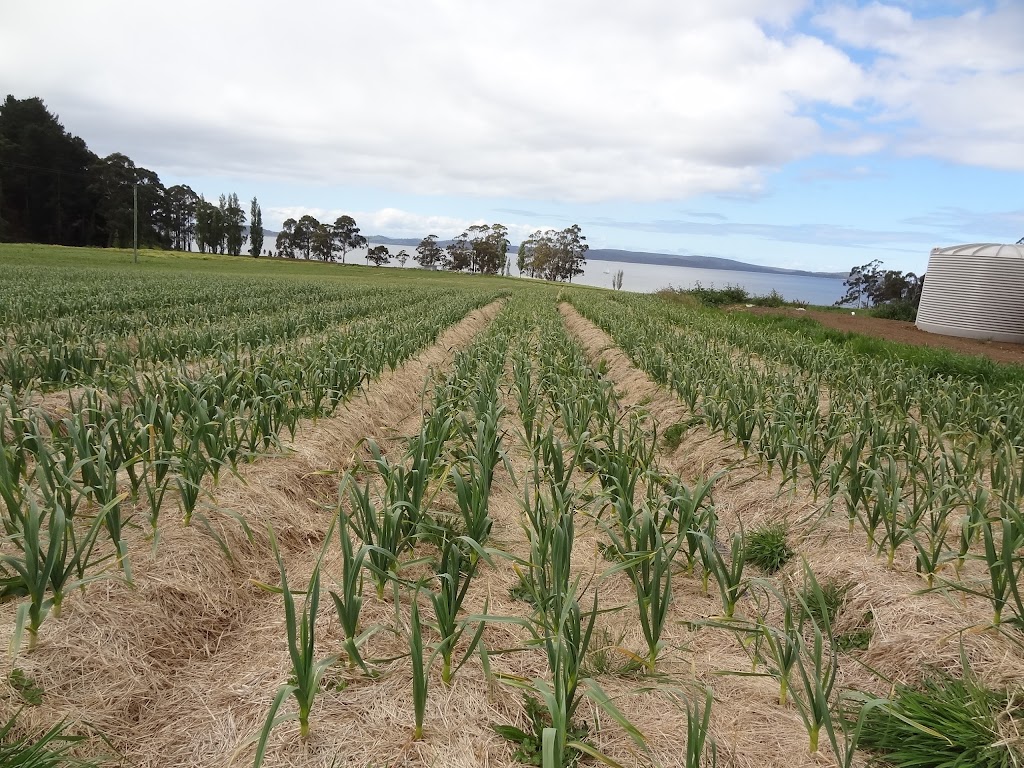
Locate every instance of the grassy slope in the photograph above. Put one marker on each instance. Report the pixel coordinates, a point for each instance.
(153, 260)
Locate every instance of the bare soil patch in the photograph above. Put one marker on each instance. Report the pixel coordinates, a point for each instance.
(903, 332)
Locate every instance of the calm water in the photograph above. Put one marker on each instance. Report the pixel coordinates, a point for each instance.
(648, 278)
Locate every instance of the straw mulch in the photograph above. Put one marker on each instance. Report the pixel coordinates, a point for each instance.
(911, 633)
(180, 669)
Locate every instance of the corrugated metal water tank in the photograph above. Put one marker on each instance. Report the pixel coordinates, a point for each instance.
(976, 291)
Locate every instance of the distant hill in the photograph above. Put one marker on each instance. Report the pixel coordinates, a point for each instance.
(403, 241)
(698, 262)
(645, 257)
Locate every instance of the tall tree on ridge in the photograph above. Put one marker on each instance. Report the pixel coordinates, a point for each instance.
(303, 235)
(346, 236)
(180, 216)
(428, 252)
(285, 239)
(234, 225)
(255, 229)
(379, 254)
(323, 243)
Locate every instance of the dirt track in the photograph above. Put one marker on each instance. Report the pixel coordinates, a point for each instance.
(906, 333)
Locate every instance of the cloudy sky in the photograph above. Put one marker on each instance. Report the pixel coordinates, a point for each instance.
(814, 135)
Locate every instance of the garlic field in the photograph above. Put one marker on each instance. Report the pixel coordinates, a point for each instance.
(297, 518)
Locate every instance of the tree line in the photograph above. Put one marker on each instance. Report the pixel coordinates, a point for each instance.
(554, 255)
(870, 285)
(54, 189)
(481, 249)
(892, 293)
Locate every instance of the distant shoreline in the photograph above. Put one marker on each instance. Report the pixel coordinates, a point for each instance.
(646, 257)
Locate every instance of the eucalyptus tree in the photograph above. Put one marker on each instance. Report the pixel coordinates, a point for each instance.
(489, 244)
(208, 225)
(302, 237)
(116, 181)
(428, 252)
(180, 203)
(285, 243)
(554, 255)
(459, 254)
(323, 243)
(219, 231)
(378, 255)
(346, 236)
(572, 246)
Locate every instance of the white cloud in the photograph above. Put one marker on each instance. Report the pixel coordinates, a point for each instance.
(569, 101)
(950, 85)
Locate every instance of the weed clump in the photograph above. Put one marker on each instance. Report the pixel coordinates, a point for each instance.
(672, 437)
(767, 547)
(945, 722)
(529, 743)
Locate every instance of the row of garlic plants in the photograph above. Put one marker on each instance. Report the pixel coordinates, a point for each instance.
(66, 480)
(594, 459)
(930, 461)
(117, 302)
(562, 619)
(236, 318)
(395, 519)
(784, 619)
(657, 531)
(389, 520)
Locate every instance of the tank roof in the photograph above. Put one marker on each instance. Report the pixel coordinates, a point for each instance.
(1001, 250)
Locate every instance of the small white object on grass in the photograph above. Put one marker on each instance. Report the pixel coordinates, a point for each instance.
(750, 305)
(853, 313)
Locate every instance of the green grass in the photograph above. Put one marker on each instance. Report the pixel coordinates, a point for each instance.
(954, 723)
(725, 296)
(49, 749)
(672, 437)
(935, 361)
(35, 255)
(855, 640)
(833, 594)
(26, 688)
(767, 547)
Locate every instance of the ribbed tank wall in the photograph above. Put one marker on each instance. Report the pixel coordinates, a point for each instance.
(979, 297)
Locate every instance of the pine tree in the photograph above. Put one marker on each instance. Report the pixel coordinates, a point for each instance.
(255, 229)
(234, 225)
